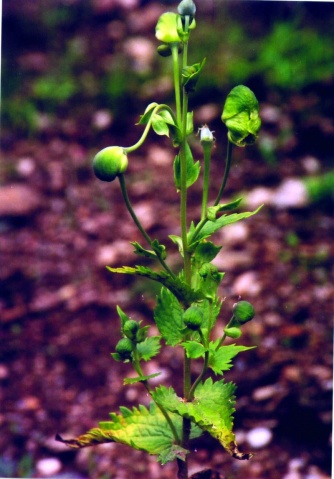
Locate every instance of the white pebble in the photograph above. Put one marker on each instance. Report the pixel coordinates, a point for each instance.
(259, 437)
(48, 466)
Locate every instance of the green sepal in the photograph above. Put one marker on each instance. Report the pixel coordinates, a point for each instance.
(193, 169)
(211, 227)
(176, 285)
(214, 210)
(148, 348)
(190, 76)
(212, 410)
(123, 317)
(141, 334)
(139, 379)
(184, 35)
(221, 360)
(140, 428)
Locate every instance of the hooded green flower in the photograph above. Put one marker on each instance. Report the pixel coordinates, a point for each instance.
(241, 116)
(166, 30)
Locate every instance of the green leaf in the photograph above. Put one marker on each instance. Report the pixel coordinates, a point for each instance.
(168, 316)
(178, 241)
(157, 248)
(194, 349)
(211, 227)
(144, 119)
(139, 379)
(221, 360)
(176, 285)
(190, 123)
(143, 429)
(212, 409)
(149, 348)
(159, 125)
(193, 169)
(140, 251)
(214, 210)
(205, 253)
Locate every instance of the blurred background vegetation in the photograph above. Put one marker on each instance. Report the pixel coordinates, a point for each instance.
(67, 59)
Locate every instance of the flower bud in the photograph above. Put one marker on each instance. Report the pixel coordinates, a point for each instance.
(193, 318)
(206, 135)
(241, 116)
(233, 332)
(243, 311)
(109, 163)
(130, 329)
(187, 7)
(124, 348)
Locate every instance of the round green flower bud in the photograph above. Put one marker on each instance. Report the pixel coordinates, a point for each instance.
(233, 332)
(193, 318)
(109, 163)
(130, 328)
(241, 116)
(243, 311)
(124, 348)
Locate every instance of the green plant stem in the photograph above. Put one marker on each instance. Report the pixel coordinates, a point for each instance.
(138, 224)
(200, 377)
(176, 70)
(226, 172)
(207, 160)
(139, 371)
(220, 193)
(142, 139)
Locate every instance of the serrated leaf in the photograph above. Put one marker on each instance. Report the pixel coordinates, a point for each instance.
(194, 349)
(139, 379)
(168, 316)
(221, 360)
(149, 348)
(177, 286)
(212, 409)
(211, 227)
(143, 429)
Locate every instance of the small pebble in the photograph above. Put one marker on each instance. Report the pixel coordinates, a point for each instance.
(259, 437)
(48, 467)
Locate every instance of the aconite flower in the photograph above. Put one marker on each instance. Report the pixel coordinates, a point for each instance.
(166, 30)
(241, 116)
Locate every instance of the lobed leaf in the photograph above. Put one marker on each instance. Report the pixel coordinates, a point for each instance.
(221, 360)
(143, 429)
